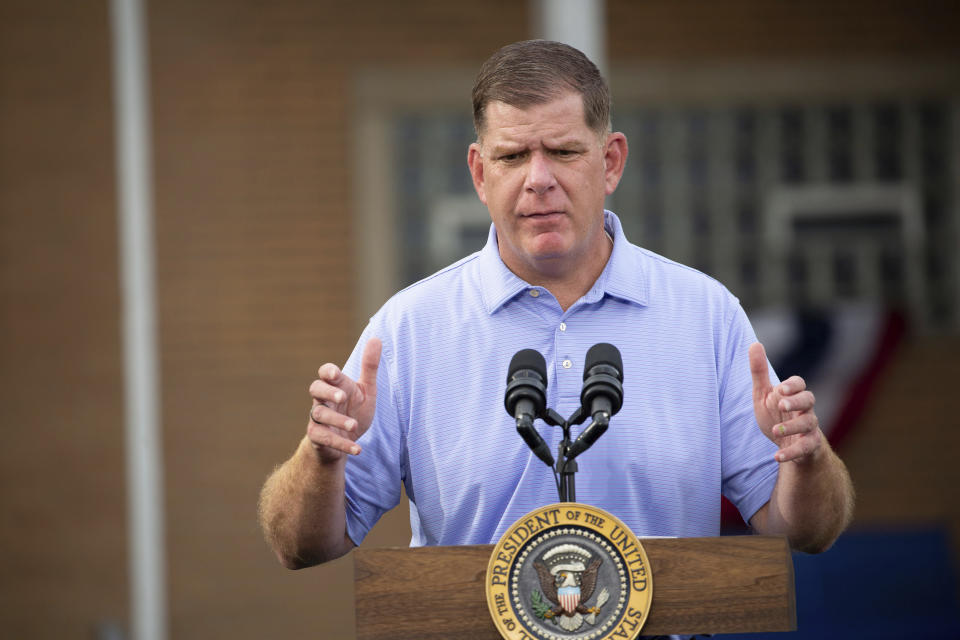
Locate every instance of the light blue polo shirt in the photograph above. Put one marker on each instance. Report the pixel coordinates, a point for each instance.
(686, 431)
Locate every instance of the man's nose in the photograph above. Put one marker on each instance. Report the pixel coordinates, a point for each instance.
(540, 178)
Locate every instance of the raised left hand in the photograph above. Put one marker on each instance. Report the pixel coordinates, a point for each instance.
(785, 411)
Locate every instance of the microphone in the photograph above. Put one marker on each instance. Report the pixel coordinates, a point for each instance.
(602, 394)
(526, 398)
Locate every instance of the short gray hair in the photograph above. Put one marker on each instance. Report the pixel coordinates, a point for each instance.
(535, 72)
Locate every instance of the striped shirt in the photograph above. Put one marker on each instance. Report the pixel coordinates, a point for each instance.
(686, 431)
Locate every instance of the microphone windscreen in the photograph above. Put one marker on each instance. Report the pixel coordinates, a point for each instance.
(603, 353)
(527, 359)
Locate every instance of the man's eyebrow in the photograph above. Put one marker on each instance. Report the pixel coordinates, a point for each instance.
(506, 148)
(568, 143)
(511, 147)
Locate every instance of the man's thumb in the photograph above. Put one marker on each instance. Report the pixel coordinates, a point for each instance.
(758, 367)
(370, 363)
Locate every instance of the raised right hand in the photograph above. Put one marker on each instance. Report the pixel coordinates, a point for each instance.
(343, 408)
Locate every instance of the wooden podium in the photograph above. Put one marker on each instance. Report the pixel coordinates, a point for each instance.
(732, 584)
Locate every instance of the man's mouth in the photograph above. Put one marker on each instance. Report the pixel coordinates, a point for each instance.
(541, 214)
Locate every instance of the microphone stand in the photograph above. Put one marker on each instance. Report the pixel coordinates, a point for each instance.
(566, 466)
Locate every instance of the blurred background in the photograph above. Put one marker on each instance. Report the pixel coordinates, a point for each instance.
(309, 159)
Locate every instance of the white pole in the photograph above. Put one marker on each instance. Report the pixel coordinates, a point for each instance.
(578, 23)
(141, 380)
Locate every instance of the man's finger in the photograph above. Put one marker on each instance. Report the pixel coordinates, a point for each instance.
(330, 372)
(370, 362)
(803, 401)
(323, 391)
(325, 437)
(802, 424)
(324, 415)
(801, 447)
(793, 384)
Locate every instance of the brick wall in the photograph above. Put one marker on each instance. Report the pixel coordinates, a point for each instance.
(62, 529)
(756, 30)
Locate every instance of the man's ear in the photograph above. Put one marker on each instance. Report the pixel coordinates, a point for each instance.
(614, 159)
(475, 162)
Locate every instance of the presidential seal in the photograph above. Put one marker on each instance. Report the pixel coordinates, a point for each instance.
(569, 570)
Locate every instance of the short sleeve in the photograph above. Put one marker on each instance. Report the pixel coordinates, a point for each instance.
(373, 478)
(748, 469)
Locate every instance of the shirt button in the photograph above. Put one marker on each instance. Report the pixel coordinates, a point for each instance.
(567, 364)
(534, 293)
(563, 326)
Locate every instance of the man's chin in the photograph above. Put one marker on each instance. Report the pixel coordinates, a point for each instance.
(548, 246)
(551, 263)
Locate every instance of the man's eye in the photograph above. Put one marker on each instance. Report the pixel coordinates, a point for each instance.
(510, 157)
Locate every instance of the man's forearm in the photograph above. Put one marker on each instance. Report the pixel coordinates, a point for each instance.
(812, 502)
(302, 509)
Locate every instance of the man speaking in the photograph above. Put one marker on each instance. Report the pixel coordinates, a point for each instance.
(420, 400)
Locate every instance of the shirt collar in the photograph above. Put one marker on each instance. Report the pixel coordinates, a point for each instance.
(498, 285)
(623, 277)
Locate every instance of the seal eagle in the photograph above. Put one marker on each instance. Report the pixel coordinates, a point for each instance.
(568, 582)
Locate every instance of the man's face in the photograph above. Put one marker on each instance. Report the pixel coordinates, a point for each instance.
(544, 174)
